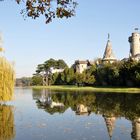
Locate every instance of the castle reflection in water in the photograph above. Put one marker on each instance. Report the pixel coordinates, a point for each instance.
(110, 106)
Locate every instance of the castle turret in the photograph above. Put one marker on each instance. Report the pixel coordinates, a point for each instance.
(110, 124)
(108, 54)
(134, 41)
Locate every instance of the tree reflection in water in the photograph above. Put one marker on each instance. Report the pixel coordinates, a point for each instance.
(110, 106)
(7, 130)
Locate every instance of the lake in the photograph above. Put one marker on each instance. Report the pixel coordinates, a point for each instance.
(55, 115)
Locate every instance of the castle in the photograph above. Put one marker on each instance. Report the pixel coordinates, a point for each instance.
(109, 57)
(134, 41)
(108, 54)
(134, 53)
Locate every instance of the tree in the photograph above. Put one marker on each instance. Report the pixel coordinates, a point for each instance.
(40, 68)
(24, 81)
(127, 73)
(90, 75)
(89, 79)
(50, 9)
(37, 80)
(137, 74)
(80, 78)
(54, 79)
(50, 63)
(69, 76)
(45, 71)
(61, 64)
(7, 80)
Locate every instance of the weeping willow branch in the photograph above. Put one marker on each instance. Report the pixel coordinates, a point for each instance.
(6, 80)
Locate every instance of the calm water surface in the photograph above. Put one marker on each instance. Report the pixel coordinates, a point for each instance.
(52, 115)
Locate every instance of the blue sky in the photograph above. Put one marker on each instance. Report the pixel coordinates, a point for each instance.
(31, 42)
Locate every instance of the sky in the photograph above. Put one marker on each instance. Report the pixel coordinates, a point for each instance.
(31, 42)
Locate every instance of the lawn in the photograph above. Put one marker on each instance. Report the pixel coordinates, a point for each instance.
(94, 89)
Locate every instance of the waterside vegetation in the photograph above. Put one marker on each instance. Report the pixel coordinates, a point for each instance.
(90, 89)
(117, 74)
(7, 80)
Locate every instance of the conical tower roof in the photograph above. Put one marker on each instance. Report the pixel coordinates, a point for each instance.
(108, 54)
(110, 124)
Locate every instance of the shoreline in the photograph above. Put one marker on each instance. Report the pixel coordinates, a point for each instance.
(91, 89)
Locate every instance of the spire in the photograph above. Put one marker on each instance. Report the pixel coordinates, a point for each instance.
(136, 29)
(110, 123)
(108, 36)
(108, 54)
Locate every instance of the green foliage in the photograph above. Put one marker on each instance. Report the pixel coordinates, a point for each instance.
(37, 80)
(51, 63)
(61, 64)
(129, 73)
(80, 78)
(54, 78)
(119, 74)
(40, 68)
(24, 81)
(90, 75)
(92, 70)
(44, 70)
(50, 9)
(66, 77)
(107, 75)
(69, 76)
(89, 79)
(116, 74)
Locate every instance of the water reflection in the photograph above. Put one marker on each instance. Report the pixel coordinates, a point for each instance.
(110, 124)
(110, 106)
(136, 129)
(7, 129)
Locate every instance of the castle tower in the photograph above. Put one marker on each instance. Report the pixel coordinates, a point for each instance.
(110, 124)
(134, 41)
(136, 129)
(108, 56)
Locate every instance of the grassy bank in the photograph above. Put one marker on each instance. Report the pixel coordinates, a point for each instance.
(93, 89)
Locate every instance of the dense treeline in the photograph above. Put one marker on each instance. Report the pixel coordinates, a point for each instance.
(23, 82)
(120, 73)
